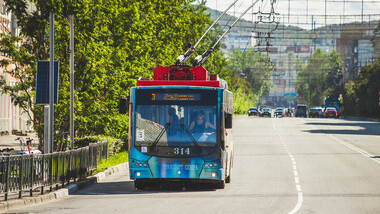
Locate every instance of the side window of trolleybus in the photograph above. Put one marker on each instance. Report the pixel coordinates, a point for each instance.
(175, 125)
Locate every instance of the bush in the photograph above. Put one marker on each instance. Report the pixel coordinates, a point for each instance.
(114, 145)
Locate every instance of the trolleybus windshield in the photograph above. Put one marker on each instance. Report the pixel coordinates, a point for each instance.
(177, 123)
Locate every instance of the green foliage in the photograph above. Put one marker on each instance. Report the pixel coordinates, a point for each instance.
(361, 96)
(114, 145)
(256, 68)
(319, 78)
(119, 158)
(116, 42)
(351, 101)
(249, 78)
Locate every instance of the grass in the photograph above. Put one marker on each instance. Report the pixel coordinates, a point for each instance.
(119, 158)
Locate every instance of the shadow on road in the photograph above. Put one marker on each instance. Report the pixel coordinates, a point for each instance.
(128, 187)
(364, 128)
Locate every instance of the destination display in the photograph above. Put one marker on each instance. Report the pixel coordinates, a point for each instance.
(176, 97)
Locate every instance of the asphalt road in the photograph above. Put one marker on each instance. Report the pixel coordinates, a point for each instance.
(282, 165)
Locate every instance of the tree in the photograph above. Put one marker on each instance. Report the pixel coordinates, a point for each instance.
(115, 43)
(361, 95)
(255, 67)
(319, 77)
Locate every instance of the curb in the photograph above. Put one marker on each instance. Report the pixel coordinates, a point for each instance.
(361, 118)
(61, 193)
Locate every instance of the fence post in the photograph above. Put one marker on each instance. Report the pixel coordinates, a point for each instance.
(106, 145)
(20, 175)
(43, 174)
(51, 171)
(75, 165)
(100, 151)
(8, 178)
(63, 169)
(69, 168)
(56, 171)
(81, 164)
(32, 167)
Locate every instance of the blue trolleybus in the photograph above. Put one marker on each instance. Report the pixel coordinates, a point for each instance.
(180, 128)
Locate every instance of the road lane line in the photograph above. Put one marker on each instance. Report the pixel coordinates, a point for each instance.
(296, 178)
(348, 145)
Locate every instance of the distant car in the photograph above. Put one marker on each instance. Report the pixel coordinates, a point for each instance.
(267, 112)
(315, 112)
(252, 112)
(322, 113)
(331, 112)
(301, 111)
(279, 112)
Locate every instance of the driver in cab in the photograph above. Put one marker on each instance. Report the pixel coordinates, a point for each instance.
(200, 124)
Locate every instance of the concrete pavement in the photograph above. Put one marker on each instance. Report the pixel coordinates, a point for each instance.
(9, 141)
(61, 193)
(281, 165)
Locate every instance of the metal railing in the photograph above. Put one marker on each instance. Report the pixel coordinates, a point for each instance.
(27, 173)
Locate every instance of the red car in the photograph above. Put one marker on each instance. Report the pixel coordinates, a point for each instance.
(331, 112)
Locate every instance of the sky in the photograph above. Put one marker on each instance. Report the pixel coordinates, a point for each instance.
(302, 12)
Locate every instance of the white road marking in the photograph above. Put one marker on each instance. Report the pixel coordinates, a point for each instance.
(274, 126)
(296, 178)
(354, 148)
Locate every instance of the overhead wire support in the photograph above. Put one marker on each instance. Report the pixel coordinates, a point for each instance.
(183, 58)
(200, 59)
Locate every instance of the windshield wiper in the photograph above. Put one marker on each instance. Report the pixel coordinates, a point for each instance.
(159, 136)
(190, 135)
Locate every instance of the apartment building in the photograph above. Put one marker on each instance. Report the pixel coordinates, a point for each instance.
(12, 118)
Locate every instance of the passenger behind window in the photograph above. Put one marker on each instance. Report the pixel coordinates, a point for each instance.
(173, 121)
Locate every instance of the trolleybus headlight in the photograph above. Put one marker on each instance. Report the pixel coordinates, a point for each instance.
(213, 174)
(138, 174)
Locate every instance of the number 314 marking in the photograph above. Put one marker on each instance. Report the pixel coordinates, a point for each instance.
(181, 151)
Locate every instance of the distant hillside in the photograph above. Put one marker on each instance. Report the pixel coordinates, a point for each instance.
(290, 35)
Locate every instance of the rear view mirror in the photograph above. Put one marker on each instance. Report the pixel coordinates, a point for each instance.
(123, 105)
(228, 121)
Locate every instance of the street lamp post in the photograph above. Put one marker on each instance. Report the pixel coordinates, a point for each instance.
(72, 81)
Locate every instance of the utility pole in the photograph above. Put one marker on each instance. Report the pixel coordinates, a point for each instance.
(326, 12)
(307, 10)
(288, 12)
(72, 81)
(51, 87)
(344, 9)
(362, 10)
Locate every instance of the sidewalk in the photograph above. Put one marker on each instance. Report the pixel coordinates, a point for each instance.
(61, 193)
(9, 141)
